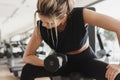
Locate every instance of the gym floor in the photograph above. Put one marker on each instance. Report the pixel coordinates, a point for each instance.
(5, 74)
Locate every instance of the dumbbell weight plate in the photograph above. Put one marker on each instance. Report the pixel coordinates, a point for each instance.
(51, 63)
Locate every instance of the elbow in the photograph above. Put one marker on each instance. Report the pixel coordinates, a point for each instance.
(24, 59)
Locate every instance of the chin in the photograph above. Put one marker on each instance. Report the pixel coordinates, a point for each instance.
(48, 27)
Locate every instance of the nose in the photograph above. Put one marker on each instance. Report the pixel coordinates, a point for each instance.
(44, 24)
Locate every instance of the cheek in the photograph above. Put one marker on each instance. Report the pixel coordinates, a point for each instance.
(57, 23)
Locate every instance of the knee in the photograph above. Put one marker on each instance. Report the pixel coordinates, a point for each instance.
(26, 68)
(26, 71)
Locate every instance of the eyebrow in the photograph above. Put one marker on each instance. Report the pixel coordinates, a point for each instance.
(48, 22)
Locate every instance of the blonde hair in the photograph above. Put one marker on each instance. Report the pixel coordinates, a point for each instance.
(54, 9)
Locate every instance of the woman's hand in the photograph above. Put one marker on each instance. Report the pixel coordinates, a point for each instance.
(112, 71)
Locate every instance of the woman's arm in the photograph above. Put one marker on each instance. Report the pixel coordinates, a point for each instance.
(103, 21)
(31, 48)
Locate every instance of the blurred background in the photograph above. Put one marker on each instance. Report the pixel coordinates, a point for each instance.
(17, 25)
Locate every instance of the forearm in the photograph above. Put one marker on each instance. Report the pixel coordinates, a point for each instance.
(34, 60)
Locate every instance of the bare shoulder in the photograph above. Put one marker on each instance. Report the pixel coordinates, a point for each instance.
(94, 18)
(89, 15)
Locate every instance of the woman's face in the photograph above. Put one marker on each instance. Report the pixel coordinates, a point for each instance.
(49, 23)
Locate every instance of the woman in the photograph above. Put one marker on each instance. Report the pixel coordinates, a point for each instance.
(63, 28)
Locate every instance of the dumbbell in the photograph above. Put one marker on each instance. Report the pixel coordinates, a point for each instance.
(53, 62)
(1, 55)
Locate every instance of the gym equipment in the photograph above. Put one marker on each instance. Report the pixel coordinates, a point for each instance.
(18, 48)
(1, 55)
(5, 50)
(15, 65)
(1, 52)
(15, 62)
(102, 52)
(39, 51)
(8, 50)
(92, 33)
(55, 61)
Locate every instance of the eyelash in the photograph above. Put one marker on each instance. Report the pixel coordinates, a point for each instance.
(49, 23)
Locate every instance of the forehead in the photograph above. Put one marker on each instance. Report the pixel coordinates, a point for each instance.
(47, 19)
(44, 18)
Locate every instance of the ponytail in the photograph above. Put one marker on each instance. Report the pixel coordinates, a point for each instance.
(70, 4)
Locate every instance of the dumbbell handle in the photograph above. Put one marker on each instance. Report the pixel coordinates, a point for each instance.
(60, 61)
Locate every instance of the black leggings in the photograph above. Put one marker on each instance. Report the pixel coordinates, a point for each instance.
(84, 63)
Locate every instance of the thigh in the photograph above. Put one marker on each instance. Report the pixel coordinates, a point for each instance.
(29, 72)
(95, 68)
(86, 63)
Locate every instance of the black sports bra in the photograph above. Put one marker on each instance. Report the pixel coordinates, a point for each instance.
(72, 38)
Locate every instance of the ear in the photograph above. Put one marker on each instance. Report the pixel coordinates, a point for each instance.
(65, 15)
